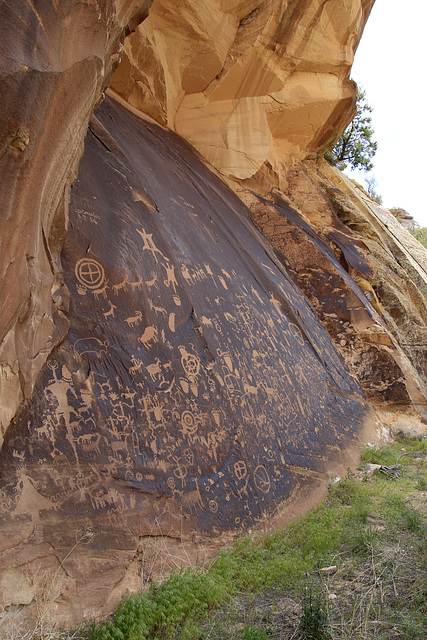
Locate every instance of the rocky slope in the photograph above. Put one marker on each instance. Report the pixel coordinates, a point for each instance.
(222, 328)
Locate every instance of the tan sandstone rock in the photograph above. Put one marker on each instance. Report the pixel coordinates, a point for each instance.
(246, 82)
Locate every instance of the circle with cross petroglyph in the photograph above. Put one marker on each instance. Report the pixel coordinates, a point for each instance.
(90, 273)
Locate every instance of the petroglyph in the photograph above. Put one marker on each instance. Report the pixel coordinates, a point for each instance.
(188, 422)
(111, 310)
(93, 347)
(132, 321)
(149, 244)
(157, 310)
(191, 391)
(89, 273)
(152, 283)
(262, 479)
(121, 286)
(170, 276)
(137, 285)
(190, 363)
(102, 291)
(149, 336)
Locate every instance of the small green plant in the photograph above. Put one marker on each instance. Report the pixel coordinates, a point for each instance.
(254, 633)
(421, 235)
(314, 621)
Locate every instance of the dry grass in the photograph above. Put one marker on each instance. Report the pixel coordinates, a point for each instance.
(372, 528)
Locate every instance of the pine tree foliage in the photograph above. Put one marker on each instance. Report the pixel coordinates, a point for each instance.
(355, 147)
(421, 235)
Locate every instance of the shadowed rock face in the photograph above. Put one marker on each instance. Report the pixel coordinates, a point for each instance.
(196, 387)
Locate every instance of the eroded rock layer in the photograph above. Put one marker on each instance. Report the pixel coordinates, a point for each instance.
(246, 81)
(196, 389)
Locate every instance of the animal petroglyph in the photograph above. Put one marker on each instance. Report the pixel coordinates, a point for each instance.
(89, 347)
(132, 321)
(149, 335)
(153, 281)
(121, 285)
(155, 370)
(102, 291)
(111, 310)
(160, 310)
(206, 321)
(137, 284)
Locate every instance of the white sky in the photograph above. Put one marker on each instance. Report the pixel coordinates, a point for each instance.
(390, 65)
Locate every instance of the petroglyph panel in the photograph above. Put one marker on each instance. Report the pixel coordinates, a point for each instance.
(196, 383)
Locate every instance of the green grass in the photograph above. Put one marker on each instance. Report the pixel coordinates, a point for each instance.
(372, 527)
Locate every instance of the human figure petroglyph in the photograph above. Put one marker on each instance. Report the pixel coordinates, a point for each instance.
(111, 310)
(170, 280)
(149, 244)
(180, 472)
(132, 321)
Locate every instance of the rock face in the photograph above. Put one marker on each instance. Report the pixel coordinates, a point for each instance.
(196, 389)
(265, 80)
(334, 240)
(56, 58)
(171, 376)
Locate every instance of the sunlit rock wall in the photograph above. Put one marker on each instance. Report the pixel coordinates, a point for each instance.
(246, 82)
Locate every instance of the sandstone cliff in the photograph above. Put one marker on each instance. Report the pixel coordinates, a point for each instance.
(211, 319)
